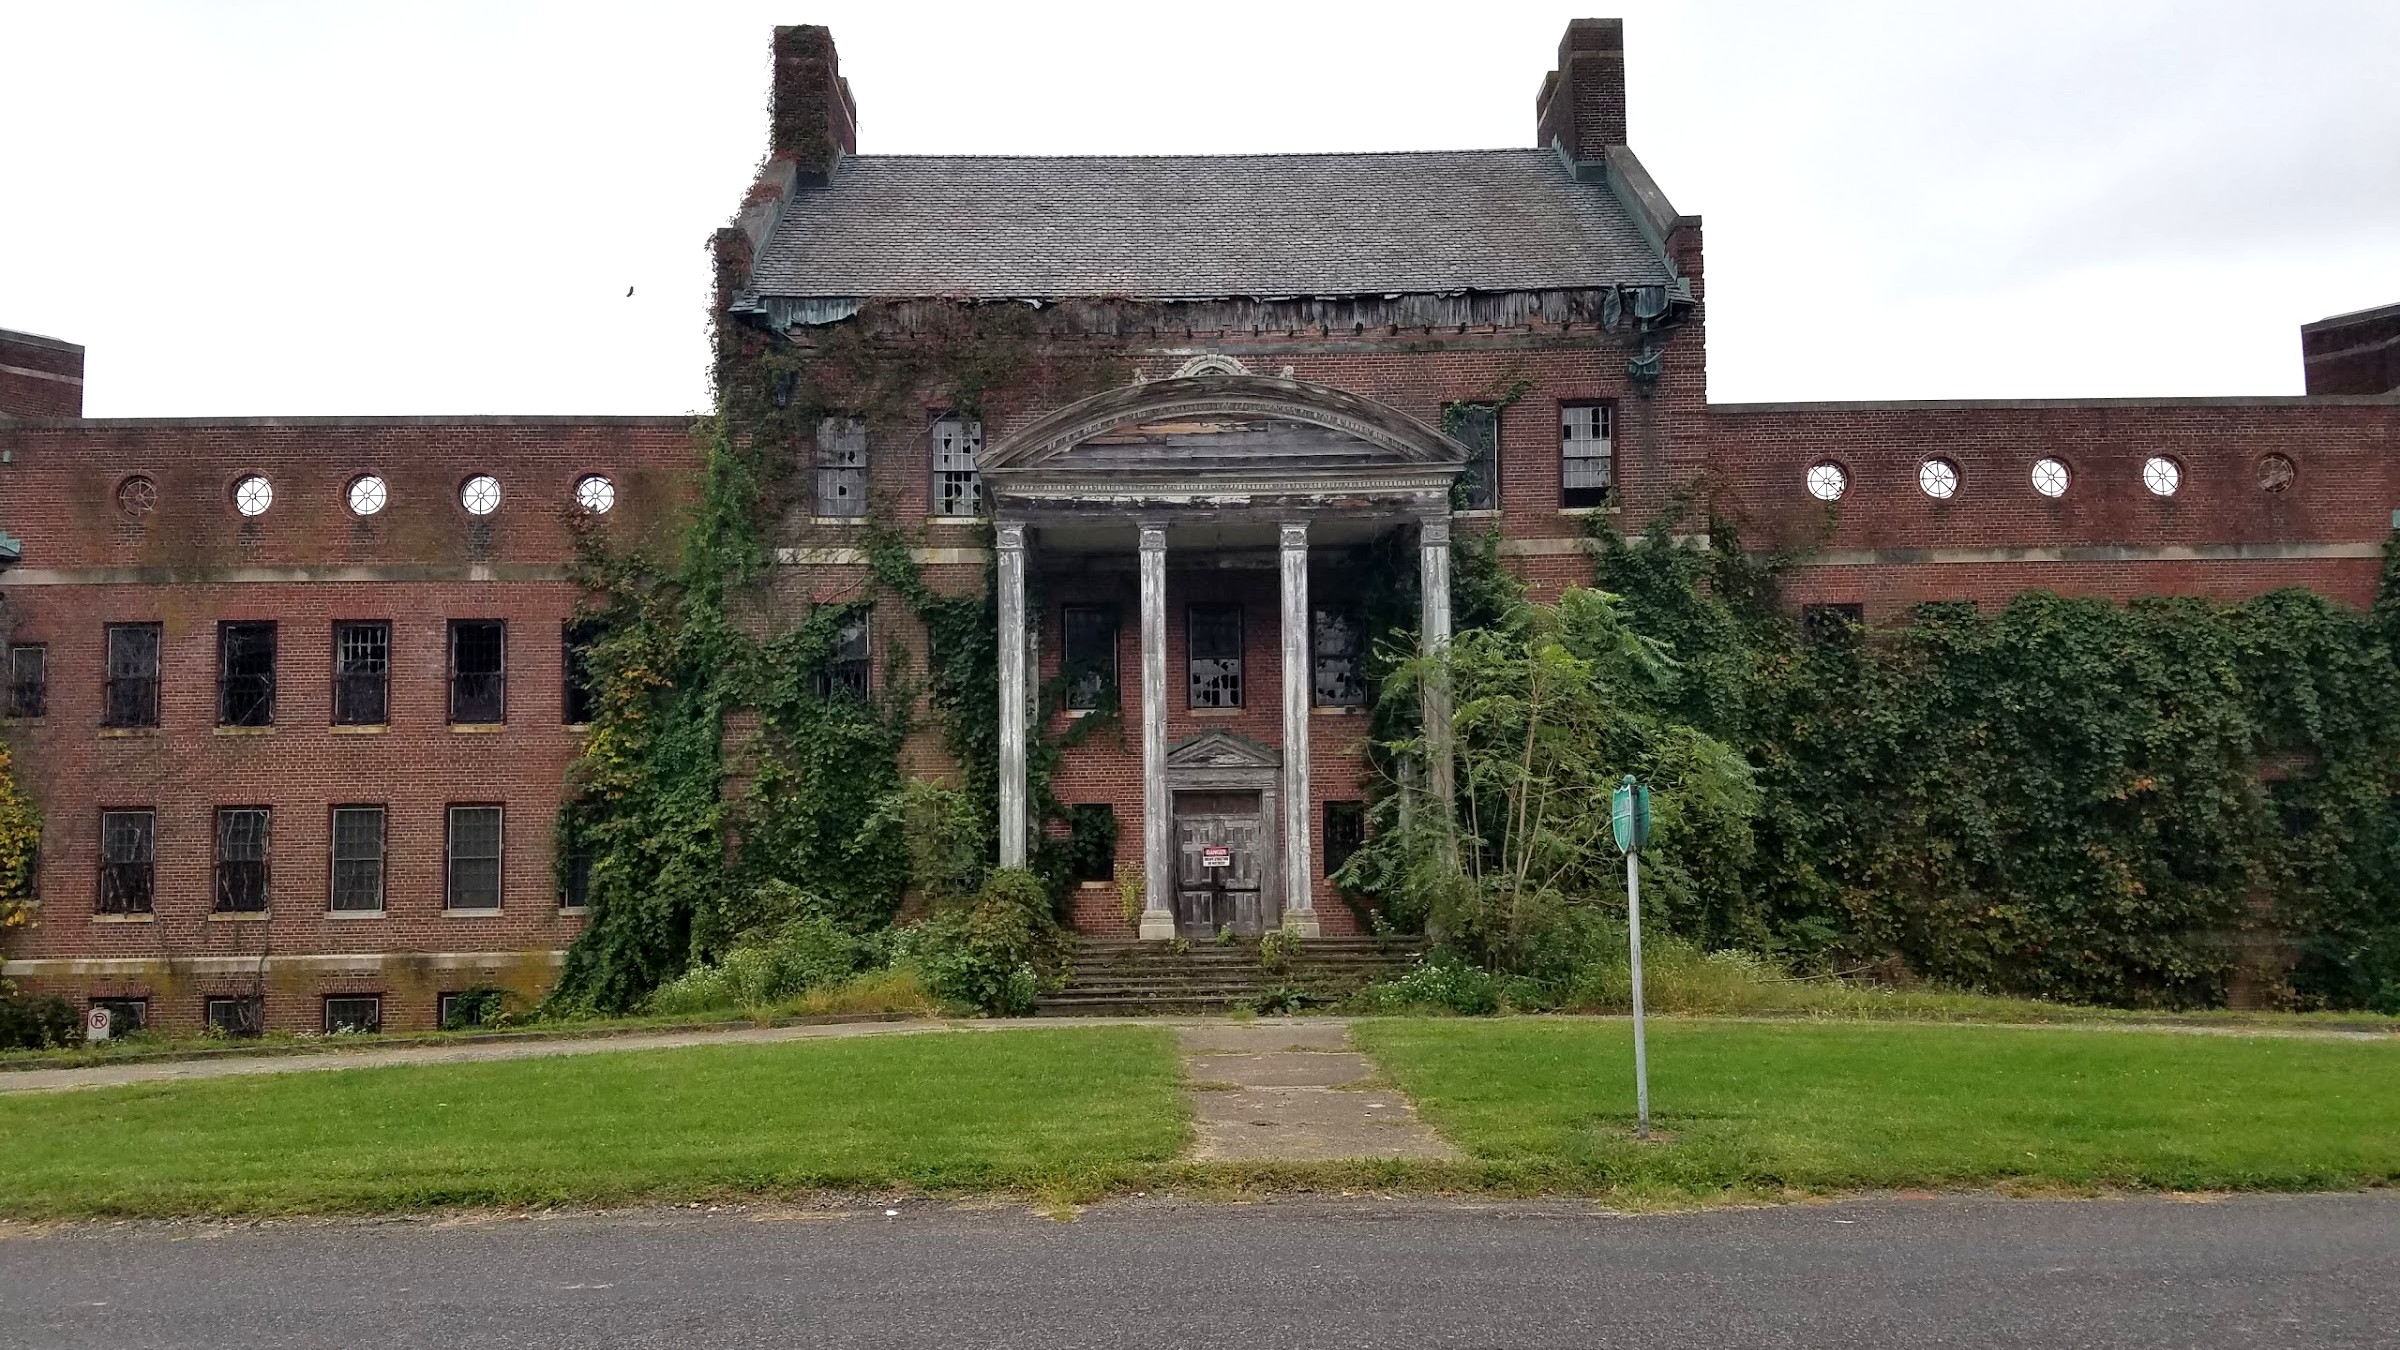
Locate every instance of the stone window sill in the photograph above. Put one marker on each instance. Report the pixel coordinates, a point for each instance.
(471, 913)
(354, 913)
(124, 918)
(114, 733)
(478, 728)
(1482, 513)
(239, 916)
(954, 520)
(838, 522)
(1609, 509)
(360, 728)
(1215, 712)
(245, 731)
(571, 911)
(1338, 710)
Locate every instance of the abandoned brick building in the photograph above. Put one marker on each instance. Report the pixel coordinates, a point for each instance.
(296, 696)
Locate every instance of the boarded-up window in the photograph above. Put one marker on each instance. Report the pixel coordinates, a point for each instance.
(957, 445)
(844, 674)
(1088, 654)
(1215, 636)
(28, 681)
(241, 859)
(1586, 454)
(842, 467)
(362, 673)
(1477, 427)
(1338, 679)
(131, 696)
(126, 838)
(245, 674)
(474, 857)
(478, 671)
(357, 859)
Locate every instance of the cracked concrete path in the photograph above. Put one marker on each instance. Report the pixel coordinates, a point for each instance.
(1295, 1092)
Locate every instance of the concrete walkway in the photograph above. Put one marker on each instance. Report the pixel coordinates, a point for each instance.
(1294, 1092)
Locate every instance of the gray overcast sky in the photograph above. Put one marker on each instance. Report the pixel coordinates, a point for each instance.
(254, 208)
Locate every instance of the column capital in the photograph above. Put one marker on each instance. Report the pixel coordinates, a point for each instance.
(1433, 530)
(1009, 534)
(1153, 535)
(1293, 533)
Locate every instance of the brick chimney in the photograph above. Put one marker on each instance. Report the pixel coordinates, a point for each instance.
(815, 122)
(1582, 104)
(39, 376)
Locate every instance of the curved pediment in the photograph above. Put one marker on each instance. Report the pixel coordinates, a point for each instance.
(1229, 422)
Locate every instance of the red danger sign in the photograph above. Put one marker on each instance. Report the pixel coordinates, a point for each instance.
(1216, 855)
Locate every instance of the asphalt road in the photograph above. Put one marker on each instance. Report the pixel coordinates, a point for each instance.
(2280, 1271)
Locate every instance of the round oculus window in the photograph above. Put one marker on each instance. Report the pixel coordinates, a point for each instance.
(253, 494)
(137, 496)
(1938, 479)
(366, 495)
(2163, 476)
(1827, 481)
(2050, 477)
(595, 494)
(480, 495)
(2276, 473)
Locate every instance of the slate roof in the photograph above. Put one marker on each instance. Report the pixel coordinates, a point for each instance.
(1202, 226)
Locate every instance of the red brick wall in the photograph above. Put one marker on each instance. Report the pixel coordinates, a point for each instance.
(39, 376)
(2353, 353)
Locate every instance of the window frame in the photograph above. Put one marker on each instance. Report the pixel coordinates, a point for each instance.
(19, 706)
(575, 875)
(941, 503)
(844, 675)
(1192, 658)
(1605, 437)
(1107, 862)
(141, 1013)
(1318, 655)
(1106, 692)
(374, 1026)
(451, 857)
(148, 862)
(258, 707)
(114, 712)
(225, 881)
(334, 858)
(498, 676)
(843, 459)
(1353, 837)
(576, 692)
(243, 1028)
(345, 679)
(1832, 621)
(1482, 467)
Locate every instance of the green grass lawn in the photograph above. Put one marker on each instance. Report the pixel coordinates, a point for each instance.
(1029, 1110)
(1762, 1108)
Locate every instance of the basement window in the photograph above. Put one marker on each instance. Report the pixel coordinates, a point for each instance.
(842, 467)
(362, 673)
(242, 859)
(245, 674)
(1337, 680)
(28, 681)
(1477, 427)
(357, 860)
(474, 858)
(125, 1015)
(1831, 623)
(130, 698)
(355, 1013)
(126, 839)
(241, 1017)
(1586, 454)
(1214, 634)
(478, 671)
(957, 445)
(844, 674)
(1088, 655)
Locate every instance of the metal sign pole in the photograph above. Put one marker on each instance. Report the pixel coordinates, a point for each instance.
(1641, 1050)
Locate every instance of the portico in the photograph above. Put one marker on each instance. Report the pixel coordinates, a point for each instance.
(1230, 471)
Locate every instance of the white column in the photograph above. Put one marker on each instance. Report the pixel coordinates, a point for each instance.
(1433, 563)
(1010, 539)
(1158, 837)
(1299, 868)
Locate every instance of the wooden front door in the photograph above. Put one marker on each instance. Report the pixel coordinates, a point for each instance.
(1220, 865)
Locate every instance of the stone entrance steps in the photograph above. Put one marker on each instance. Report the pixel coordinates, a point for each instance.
(1119, 977)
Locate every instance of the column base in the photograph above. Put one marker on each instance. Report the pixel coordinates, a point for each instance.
(1158, 925)
(1301, 923)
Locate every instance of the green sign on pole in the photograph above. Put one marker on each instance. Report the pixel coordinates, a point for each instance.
(1629, 811)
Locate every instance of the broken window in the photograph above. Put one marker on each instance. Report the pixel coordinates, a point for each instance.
(1831, 623)
(957, 443)
(362, 673)
(474, 858)
(1477, 427)
(844, 674)
(241, 859)
(125, 854)
(130, 698)
(353, 1013)
(357, 859)
(28, 681)
(842, 467)
(241, 1016)
(478, 675)
(579, 697)
(1586, 453)
(1345, 833)
(1335, 645)
(245, 674)
(1088, 655)
(1215, 638)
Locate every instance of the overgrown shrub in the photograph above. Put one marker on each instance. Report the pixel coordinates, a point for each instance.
(996, 953)
(37, 1021)
(768, 967)
(1441, 982)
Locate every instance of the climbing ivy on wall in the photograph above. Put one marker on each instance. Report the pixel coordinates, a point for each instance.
(20, 841)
